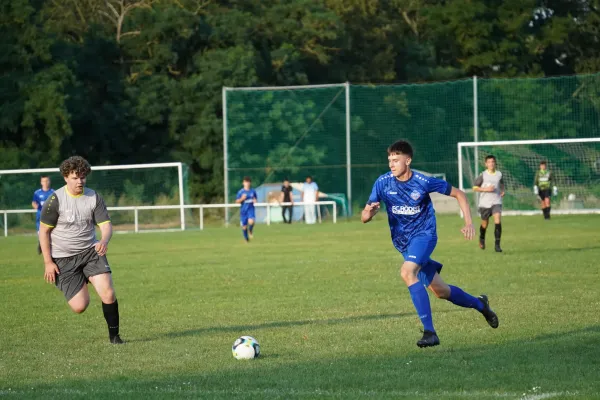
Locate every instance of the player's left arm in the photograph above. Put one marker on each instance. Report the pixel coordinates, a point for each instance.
(468, 231)
(502, 186)
(552, 184)
(102, 219)
(443, 187)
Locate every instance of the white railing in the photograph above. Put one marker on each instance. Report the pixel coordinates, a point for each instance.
(177, 165)
(200, 207)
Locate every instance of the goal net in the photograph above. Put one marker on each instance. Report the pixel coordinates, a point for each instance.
(159, 184)
(574, 164)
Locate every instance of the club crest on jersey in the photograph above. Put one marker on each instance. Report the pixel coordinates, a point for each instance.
(415, 195)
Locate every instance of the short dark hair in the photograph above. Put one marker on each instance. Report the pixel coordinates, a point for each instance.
(490, 157)
(543, 162)
(400, 147)
(76, 164)
(44, 176)
(286, 180)
(247, 179)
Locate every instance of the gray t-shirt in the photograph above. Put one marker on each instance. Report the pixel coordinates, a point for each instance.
(72, 219)
(486, 179)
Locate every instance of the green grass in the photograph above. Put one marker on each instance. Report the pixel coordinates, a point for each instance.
(327, 305)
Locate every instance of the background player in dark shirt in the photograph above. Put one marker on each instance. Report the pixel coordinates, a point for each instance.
(286, 197)
(542, 185)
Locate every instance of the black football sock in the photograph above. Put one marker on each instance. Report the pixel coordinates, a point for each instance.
(546, 213)
(498, 233)
(549, 208)
(482, 232)
(111, 315)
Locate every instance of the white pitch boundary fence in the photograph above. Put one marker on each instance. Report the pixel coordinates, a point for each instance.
(177, 165)
(200, 207)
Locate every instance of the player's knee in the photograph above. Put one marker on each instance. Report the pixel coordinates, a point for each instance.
(107, 295)
(79, 307)
(408, 272)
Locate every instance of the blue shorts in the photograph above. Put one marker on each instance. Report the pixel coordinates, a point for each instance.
(37, 223)
(419, 251)
(244, 217)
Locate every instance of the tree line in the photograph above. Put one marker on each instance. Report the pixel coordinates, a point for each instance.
(136, 81)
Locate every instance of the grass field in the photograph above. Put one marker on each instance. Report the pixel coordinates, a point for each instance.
(327, 305)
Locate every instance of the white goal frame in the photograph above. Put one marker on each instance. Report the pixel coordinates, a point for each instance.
(177, 165)
(475, 145)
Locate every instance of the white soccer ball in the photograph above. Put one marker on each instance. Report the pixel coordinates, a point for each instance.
(571, 197)
(245, 348)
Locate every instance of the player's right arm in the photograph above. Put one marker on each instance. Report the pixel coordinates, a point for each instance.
(34, 202)
(48, 221)
(536, 181)
(477, 186)
(372, 206)
(241, 196)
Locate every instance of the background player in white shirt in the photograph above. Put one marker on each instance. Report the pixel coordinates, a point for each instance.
(310, 194)
(490, 185)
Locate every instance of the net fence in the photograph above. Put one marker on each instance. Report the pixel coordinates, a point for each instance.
(272, 134)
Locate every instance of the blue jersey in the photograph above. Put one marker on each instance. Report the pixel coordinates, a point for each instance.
(248, 204)
(39, 197)
(409, 208)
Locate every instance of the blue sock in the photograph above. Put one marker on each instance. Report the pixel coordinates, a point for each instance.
(420, 299)
(460, 298)
(251, 227)
(245, 232)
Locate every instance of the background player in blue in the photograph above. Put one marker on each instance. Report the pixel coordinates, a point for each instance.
(413, 227)
(246, 196)
(39, 197)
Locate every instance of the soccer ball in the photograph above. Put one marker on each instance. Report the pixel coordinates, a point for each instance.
(245, 348)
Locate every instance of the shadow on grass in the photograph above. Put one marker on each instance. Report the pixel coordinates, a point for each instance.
(283, 324)
(559, 365)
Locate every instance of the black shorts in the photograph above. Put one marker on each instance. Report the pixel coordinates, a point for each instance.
(75, 271)
(544, 194)
(486, 213)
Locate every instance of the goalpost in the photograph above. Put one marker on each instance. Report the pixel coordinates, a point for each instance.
(272, 133)
(574, 164)
(121, 186)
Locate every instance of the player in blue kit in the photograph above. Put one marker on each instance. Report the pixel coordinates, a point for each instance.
(39, 197)
(247, 197)
(413, 227)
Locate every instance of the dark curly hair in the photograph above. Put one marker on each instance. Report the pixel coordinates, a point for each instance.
(400, 147)
(76, 164)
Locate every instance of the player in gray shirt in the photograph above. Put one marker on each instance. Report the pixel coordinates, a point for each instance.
(490, 185)
(72, 255)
